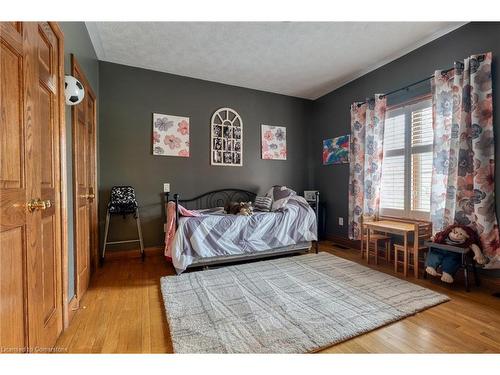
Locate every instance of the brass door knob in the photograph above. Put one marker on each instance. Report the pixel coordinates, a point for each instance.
(88, 196)
(38, 204)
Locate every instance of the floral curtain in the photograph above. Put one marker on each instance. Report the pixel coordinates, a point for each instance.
(365, 156)
(463, 180)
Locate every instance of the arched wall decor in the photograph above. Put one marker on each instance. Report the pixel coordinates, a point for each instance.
(226, 138)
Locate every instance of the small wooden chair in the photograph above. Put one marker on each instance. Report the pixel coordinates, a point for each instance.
(423, 232)
(375, 239)
(399, 249)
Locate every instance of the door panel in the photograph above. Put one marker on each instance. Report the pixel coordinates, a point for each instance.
(47, 55)
(46, 122)
(49, 266)
(13, 307)
(84, 180)
(11, 168)
(82, 156)
(12, 325)
(44, 53)
(12, 35)
(16, 26)
(83, 250)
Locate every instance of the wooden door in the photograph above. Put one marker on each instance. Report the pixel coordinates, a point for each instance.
(44, 264)
(30, 183)
(14, 183)
(84, 174)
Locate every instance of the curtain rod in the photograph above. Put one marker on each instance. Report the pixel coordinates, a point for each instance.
(407, 86)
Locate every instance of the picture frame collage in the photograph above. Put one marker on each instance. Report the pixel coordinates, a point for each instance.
(226, 138)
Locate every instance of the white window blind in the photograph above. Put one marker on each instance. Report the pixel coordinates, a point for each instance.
(393, 183)
(421, 127)
(407, 167)
(421, 176)
(394, 133)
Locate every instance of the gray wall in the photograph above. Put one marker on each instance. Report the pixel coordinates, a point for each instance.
(77, 42)
(332, 117)
(128, 98)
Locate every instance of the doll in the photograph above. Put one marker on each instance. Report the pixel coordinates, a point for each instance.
(454, 235)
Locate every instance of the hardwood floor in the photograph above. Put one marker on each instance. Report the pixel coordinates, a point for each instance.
(122, 312)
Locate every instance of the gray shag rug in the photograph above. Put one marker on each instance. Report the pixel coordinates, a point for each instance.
(288, 305)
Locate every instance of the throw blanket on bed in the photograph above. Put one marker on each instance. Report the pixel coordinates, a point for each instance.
(212, 235)
(170, 230)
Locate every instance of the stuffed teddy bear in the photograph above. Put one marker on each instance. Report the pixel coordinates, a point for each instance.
(454, 235)
(239, 208)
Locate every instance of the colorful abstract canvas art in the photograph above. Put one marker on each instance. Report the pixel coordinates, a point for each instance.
(273, 142)
(170, 135)
(336, 150)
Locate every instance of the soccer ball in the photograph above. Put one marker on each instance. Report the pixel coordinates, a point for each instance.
(73, 90)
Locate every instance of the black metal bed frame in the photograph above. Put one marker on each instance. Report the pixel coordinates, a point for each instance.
(211, 199)
(219, 198)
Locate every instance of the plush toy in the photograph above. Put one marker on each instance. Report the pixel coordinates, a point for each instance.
(239, 208)
(454, 235)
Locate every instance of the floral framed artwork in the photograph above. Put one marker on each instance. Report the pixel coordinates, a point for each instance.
(336, 150)
(170, 135)
(226, 138)
(273, 141)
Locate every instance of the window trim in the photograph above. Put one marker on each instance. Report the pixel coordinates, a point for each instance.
(409, 102)
(400, 109)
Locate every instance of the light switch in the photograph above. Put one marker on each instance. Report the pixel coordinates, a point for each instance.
(166, 188)
(341, 221)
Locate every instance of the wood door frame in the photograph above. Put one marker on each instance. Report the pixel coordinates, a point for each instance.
(76, 69)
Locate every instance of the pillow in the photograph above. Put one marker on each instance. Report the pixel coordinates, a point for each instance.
(211, 211)
(263, 204)
(280, 196)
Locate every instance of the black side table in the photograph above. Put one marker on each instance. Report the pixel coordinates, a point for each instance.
(319, 210)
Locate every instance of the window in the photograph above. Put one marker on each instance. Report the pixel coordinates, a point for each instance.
(407, 166)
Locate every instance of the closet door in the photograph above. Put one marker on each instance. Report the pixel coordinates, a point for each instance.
(81, 136)
(44, 261)
(13, 189)
(85, 204)
(30, 207)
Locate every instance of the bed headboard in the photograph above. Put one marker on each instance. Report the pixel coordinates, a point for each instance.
(215, 198)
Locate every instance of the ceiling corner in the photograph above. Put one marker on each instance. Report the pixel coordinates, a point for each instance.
(95, 38)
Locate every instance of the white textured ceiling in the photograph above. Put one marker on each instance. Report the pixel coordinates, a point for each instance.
(302, 59)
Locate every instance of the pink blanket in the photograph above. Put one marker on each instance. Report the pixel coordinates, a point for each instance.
(170, 230)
